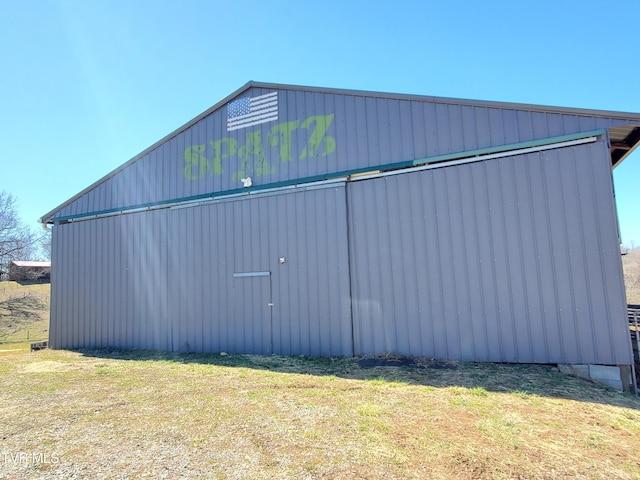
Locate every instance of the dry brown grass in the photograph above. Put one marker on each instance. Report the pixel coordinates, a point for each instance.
(151, 415)
(111, 414)
(631, 266)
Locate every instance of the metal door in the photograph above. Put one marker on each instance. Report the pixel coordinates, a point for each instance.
(252, 310)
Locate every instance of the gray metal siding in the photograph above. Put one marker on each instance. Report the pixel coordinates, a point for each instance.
(368, 131)
(164, 279)
(513, 259)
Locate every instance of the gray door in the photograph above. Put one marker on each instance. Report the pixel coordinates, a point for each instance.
(252, 312)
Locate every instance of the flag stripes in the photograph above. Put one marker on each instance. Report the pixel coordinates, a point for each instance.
(246, 112)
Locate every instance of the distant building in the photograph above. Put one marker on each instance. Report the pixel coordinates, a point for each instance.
(27, 270)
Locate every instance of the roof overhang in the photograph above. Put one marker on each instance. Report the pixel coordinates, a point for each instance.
(624, 140)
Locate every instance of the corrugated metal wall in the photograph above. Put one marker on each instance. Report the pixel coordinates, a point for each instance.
(512, 260)
(363, 131)
(165, 279)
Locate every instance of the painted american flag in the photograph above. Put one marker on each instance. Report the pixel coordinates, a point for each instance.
(245, 112)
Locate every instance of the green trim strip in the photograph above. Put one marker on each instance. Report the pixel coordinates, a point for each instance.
(511, 146)
(334, 175)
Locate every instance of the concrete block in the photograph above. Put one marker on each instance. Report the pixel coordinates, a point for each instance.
(575, 370)
(607, 375)
(615, 384)
(604, 372)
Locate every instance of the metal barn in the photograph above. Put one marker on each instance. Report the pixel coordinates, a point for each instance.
(298, 220)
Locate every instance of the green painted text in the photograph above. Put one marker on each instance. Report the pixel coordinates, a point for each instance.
(252, 156)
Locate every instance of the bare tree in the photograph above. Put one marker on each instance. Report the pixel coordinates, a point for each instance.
(45, 245)
(631, 265)
(17, 241)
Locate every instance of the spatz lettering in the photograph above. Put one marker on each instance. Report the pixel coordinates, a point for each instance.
(213, 158)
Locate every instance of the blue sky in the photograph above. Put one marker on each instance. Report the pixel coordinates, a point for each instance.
(85, 85)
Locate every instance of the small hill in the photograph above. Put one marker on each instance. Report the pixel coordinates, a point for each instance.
(24, 312)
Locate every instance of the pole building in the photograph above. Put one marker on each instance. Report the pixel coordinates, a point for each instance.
(314, 221)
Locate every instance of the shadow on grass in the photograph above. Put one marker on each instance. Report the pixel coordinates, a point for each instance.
(521, 379)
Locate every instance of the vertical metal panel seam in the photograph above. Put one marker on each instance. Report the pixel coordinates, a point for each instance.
(408, 238)
(393, 330)
(430, 180)
(117, 326)
(552, 249)
(119, 252)
(583, 247)
(518, 231)
(439, 267)
(270, 316)
(466, 262)
(533, 349)
(323, 206)
(476, 247)
(421, 182)
(405, 326)
(554, 274)
(353, 272)
(53, 295)
(77, 278)
(71, 280)
(414, 281)
(214, 276)
(347, 189)
(502, 166)
(481, 168)
(64, 304)
(373, 224)
(605, 284)
(375, 276)
(366, 337)
(346, 345)
(205, 330)
(332, 206)
(303, 328)
(570, 252)
(536, 253)
(94, 284)
(132, 331)
(493, 264)
(308, 341)
(457, 281)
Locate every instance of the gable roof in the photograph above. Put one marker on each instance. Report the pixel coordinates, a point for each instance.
(624, 135)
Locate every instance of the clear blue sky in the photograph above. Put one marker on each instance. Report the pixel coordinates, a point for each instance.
(85, 84)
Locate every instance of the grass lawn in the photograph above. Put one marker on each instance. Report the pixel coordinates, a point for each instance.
(113, 414)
